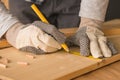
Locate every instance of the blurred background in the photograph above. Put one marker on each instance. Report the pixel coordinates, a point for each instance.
(113, 11)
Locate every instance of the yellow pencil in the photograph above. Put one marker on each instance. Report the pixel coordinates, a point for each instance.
(40, 15)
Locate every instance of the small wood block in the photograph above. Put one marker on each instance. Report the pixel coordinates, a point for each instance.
(4, 60)
(23, 63)
(3, 65)
(30, 56)
(0, 57)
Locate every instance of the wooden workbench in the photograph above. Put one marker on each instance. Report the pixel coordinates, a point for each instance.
(59, 65)
(109, 72)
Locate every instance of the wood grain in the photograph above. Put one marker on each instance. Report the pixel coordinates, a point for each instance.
(55, 66)
(59, 65)
(4, 44)
(110, 72)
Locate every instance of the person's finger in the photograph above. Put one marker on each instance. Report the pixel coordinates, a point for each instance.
(32, 50)
(103, 45)
(24, 43)
(84, 46)
(23, 39)
(41, 45)
(44, 41)
(49, 41)
(94, 46)
(52, 30)
(83, 42)
(112, 47)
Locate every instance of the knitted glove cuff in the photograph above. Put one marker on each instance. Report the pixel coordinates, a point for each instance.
(90, 23)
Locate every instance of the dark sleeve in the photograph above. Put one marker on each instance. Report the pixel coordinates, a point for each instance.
(113, 11)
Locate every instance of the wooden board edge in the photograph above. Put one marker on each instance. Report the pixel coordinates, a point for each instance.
(4, 44)
(5, 78)
(95, 66)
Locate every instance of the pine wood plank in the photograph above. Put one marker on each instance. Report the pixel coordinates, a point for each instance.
(110, 72)
(59, 65)
(4, 43)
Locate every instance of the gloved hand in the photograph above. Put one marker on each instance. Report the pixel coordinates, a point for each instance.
(36, 38)
(91, 40)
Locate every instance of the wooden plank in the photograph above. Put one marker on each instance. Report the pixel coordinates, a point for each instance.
(43, 67)
(90, 68)
(4, 44)
(59, 65)
(110, 72)
(5, 78)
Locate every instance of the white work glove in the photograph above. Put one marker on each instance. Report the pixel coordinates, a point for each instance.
(92, 40)
(89, 36)
(32, 38)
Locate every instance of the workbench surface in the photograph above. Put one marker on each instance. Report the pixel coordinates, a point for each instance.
(60, 65)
